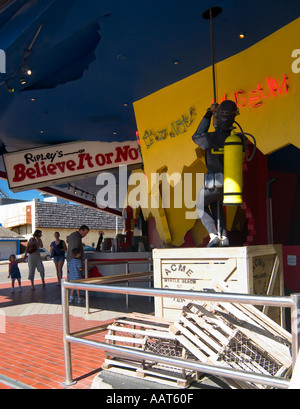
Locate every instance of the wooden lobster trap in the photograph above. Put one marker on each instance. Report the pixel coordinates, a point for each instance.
(223, 334)
(150, 334)
(235, 336)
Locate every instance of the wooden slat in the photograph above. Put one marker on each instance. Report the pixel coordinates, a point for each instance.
(140, 341)
(143, 324)
(148, 332)
(202, 335)
(168, 378)
(196, 342)
(191, 347)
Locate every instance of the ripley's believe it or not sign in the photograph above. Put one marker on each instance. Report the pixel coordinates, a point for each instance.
(58, 163)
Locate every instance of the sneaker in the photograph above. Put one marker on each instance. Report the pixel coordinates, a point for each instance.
(71, 299)
(80, 300)
(12, 290)
(20, 289)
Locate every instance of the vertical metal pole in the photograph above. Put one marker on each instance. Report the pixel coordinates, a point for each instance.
(87, 299)
(210, 14)
(150, 268)
(66, 331)
(269, 211)
(213, 54)
(295, 324)
(219, 219)
(127, 284)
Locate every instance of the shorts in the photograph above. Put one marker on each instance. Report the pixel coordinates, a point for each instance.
(35, 262)
(73, 276)
(56, 259)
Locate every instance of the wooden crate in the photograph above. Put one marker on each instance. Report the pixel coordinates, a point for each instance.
(247, 270)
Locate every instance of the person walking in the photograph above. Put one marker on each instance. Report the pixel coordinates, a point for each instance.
(58, 249)
(34, 258)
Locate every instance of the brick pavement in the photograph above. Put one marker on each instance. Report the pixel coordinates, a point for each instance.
(31, 346)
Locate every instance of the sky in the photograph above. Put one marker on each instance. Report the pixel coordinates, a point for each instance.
(27, 195)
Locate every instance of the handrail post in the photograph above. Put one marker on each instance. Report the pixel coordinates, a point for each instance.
(66, 332)
(87, 298)
(295, 325)
(127, 284)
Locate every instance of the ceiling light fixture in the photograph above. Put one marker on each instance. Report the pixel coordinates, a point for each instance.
(26, 70)
(10, 89)
(242, 35)
(121, 57)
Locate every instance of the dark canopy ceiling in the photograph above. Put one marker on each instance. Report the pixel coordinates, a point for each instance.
(90, 60)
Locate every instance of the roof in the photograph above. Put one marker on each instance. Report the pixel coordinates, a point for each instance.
(67, 216)
(8, 234)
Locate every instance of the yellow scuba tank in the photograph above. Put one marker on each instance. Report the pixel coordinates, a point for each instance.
(233, 170)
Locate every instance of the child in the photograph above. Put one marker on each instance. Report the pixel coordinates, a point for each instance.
(75, 272)
(14, 272)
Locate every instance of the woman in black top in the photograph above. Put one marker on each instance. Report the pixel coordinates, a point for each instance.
(57, 249)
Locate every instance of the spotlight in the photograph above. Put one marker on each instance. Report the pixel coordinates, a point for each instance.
(22, 80)
(26, 70)
(10, 89)
(242, 35)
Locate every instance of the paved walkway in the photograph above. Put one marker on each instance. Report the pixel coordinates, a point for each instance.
(31, 346)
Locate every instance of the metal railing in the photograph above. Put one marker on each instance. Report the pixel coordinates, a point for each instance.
(292, 302)
(117, 279)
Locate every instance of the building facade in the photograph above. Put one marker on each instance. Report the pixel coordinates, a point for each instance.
(24, 218)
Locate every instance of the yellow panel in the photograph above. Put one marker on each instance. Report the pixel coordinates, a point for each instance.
(264, 80)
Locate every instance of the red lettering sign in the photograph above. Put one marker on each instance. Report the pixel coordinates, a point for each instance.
(255, 97)
(52, 164)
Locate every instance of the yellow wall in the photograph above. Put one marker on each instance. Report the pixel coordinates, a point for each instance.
(48, 235)
(180, 107)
